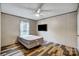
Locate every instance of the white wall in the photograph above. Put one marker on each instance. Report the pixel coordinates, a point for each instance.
(61, 29)
(0, 27)
(0, 31)
(78, 29)
(10, 28)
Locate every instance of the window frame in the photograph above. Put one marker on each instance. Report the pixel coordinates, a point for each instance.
(20, 27)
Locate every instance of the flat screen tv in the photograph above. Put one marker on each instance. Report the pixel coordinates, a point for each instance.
(42, 27)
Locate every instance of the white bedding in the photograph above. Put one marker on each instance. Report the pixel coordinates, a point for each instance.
(31, 37)
(31, 41)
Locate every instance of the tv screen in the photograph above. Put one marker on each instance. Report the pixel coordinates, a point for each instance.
(42, 27)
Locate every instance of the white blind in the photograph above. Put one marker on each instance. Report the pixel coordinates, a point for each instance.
(24, 28)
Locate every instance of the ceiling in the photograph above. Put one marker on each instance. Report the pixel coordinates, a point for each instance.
(28, 10)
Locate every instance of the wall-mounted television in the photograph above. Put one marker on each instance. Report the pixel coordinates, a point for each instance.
(42, 27)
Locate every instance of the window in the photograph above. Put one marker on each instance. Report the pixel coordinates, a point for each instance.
(24, 28)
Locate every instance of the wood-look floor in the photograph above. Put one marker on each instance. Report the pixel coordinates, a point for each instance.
(50, 49)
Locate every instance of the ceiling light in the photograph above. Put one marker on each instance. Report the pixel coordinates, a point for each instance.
(37, 14)
(38, 11)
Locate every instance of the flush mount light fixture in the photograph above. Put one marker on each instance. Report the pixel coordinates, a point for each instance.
(37, 14)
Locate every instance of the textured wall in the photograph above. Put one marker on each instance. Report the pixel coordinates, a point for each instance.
(10, 28)
(61, 29)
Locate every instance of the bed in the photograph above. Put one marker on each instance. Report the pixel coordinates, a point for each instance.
(30, 41)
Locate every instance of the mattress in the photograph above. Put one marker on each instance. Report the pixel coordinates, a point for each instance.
(31, 37)
(31, 41)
